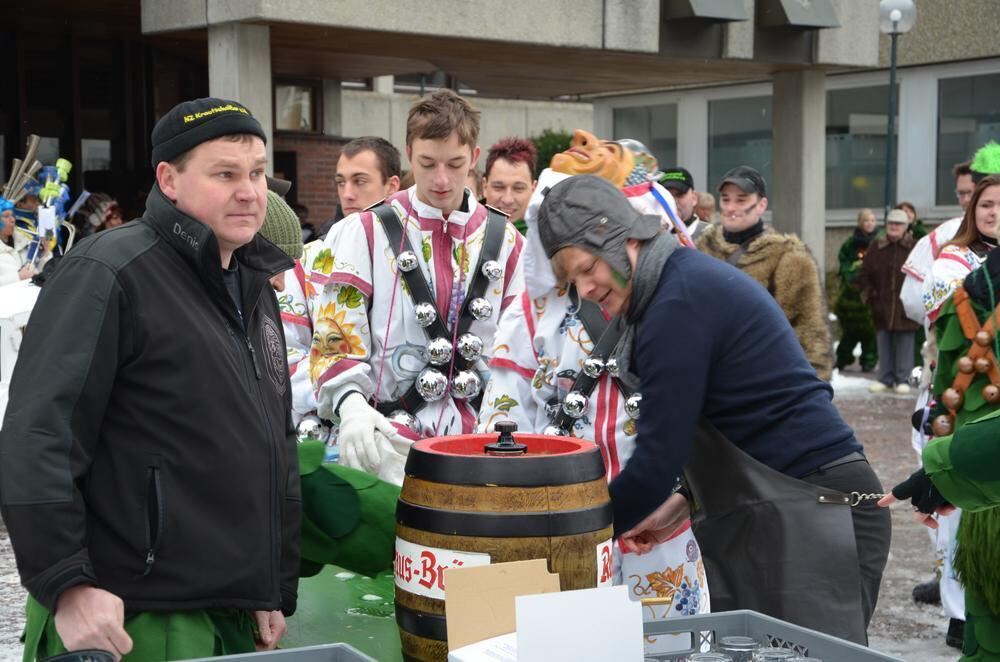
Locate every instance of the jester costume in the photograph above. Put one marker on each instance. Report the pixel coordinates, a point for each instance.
(963, 466)
(855, 317)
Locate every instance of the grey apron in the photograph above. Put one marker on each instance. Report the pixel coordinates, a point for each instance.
(773, 543)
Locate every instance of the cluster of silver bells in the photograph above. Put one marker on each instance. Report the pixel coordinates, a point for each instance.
(432, 384)
(470, 347)
(311, 428)
(576, 404)
(426, 313)
(407, 261)
(593, 366)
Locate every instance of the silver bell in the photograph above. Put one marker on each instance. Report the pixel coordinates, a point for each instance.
(611, 365)
(470, 346)
(492, 270)
(439, 351)
(632, 405)
(466, 385)
(310, 428)
(592, 366)
(916, 376)
(407, 260)
(480, 308)
(406, 419)
(575, 405)
(431, 384)
(425, 313)
(554, 431)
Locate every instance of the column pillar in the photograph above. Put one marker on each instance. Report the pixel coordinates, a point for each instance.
(239, 68)
(797, 193)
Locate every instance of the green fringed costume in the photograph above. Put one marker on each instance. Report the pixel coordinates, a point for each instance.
(348, 516)
(854, 315)
(965, 468)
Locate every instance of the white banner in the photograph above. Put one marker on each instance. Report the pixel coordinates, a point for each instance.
(420, 569)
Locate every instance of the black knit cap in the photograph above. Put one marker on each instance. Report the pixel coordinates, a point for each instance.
(190, 123)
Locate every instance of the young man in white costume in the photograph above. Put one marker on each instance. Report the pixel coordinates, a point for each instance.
(380, 350)
(544, 345)
(368, 172)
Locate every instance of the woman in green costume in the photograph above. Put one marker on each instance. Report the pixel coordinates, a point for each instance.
(855, 317)
(963, 468)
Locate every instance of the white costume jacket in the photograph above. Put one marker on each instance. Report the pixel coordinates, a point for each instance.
(365, 335)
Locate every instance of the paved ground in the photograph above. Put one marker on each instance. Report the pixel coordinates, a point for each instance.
(900, 627)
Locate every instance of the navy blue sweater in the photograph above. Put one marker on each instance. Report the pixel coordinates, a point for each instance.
(714, 343)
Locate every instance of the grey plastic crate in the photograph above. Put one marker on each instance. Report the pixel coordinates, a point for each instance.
(705, 630)
(324, 653)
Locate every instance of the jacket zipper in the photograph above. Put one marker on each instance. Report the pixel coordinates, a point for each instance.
(275, 478)
(153, 492)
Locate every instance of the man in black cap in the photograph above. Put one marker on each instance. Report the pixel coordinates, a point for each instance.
(780, 262)
(680, 183)
(734, 405)
(149, 475)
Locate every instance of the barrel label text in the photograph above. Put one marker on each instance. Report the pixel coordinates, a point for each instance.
(605, 574)
(420, 569)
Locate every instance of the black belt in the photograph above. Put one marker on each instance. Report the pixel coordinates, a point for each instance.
(855, 456)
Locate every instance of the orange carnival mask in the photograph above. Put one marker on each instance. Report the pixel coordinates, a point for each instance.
(589, 156)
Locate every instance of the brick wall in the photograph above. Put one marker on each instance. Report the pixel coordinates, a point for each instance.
(316, 164)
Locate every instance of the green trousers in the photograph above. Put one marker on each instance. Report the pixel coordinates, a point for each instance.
(155, 636)
(982, 630)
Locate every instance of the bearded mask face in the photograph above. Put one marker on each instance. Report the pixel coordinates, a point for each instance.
(587, 155)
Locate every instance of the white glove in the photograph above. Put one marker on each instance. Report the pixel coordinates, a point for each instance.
(393, 453)
(359, 422)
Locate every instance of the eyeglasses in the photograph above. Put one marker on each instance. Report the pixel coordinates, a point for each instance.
(961, 195)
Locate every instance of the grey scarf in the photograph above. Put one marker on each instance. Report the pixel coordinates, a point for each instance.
(652, 257)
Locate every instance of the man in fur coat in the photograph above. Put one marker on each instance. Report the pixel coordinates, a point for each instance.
(779, 262)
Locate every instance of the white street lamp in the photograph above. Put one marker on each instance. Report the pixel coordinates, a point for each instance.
(896, 17)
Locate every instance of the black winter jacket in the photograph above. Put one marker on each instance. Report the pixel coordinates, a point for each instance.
(147, 447)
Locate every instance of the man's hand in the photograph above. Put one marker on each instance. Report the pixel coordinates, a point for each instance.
(358, 423)
(271, 627)
(658, 526)
(88, 617)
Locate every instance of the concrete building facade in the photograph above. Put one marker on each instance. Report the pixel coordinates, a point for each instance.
(796, 89)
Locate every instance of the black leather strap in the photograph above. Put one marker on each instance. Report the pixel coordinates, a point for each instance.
(608, 334)
(420, 290)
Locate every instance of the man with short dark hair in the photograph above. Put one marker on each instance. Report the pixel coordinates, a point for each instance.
(510, 178)
(368, 170)
(779, 262)
(680, 183)
(149, 477)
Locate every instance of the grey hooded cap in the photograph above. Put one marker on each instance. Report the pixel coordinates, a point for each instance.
(592, 214)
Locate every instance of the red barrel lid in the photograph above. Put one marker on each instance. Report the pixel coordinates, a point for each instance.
(472, 444)
(549, 460)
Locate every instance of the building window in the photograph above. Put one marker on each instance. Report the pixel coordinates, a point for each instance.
(96, 154)
(739, 133)
(653, 126)
(296, 106)
(968, 117)
(856, 123)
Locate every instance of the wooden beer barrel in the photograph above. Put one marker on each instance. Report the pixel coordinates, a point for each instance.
(462, 507)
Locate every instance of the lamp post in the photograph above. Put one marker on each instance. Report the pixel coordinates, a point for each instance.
(896, 17)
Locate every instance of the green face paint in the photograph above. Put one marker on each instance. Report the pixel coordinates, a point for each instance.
(622, 281)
